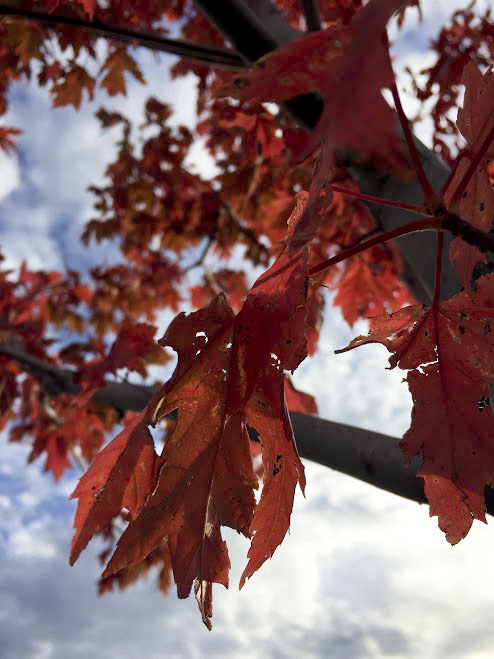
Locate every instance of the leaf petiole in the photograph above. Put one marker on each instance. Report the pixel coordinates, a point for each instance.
(378, 200)
(427, 224)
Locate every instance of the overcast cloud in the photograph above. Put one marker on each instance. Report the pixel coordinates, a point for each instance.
(362, 573)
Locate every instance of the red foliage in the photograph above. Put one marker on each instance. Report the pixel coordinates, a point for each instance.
(229, 373)
(230, 383)
(452, 362)
(299, 401)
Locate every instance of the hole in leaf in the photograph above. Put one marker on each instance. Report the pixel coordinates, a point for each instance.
(241, 83)
(482, 404)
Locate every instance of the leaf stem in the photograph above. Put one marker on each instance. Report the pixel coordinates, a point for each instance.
(378, 200)
(439, 261)
(427, 224)
(429, 193)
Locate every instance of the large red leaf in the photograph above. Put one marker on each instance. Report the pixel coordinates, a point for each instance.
(449, 382)
(207, 455)
(355, 114)
(57, 460)
(298, 67)
(230, 372)
(350, 68)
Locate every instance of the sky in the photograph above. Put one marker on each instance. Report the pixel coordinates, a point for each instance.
(362, 573)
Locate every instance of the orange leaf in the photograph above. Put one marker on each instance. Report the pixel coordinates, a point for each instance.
(299, 401)
(69, 91)
(115, 66)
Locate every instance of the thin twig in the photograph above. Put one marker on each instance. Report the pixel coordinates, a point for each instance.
(429, 193)
(212, 55)
(254, 180)
(427, 224)
(248, 233)
(378, 200)
(454, 167)
(78, 460)
(202, 256)
(360, 239)
(212, 281)
(462, 186)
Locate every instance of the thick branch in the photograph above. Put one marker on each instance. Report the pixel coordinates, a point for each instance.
(369, 456)
(312, 14)
(210, 55)
(254, 28)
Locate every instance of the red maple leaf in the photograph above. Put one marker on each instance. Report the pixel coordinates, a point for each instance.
(349, 66)
(299, 401)
(370, 286)
(133, 346)
(230, 373)
(89, 7)
(7, 134)
(452, 366)
(114, 68)
(69, 89)
(55, 446)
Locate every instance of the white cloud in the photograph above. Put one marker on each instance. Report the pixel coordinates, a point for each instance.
(5, 502)
(9, 175)
(30, 541)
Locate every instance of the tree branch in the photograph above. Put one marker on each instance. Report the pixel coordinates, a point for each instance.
(369, 456)
(210, 55)
(366, 455)
(254, 28)
(312, 15)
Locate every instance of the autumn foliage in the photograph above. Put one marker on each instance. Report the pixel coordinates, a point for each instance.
(285, 199)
